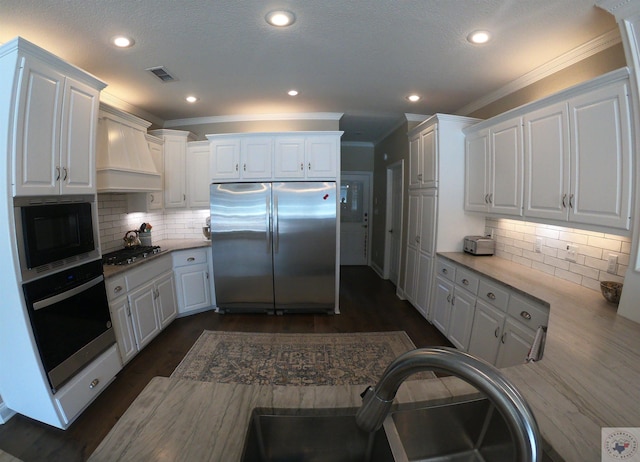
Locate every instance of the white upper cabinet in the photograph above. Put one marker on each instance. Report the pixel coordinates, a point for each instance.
(423, 159)
(576, 159)
(54, 126)
(600, 147)
(547, 162)
(493, 169)
(505, 180)
(175, 166)
(476, 170)
(274, 156)
(198, 174)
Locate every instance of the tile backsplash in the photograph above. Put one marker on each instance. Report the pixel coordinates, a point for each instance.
(516, 241)
(114, 222)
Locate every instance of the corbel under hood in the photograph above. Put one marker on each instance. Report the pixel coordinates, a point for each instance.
(123, 158)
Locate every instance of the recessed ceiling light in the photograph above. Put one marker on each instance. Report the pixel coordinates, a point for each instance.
(479, 37)
(122, 42)
(191, 99)
(292, 93)
(280, 18)
(414, 98)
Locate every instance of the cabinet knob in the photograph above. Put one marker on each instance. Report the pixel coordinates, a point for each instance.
(491, 296)
(301, 166)
(465, 282)
(497, 332)
(94, 383)
(236, 167)
(449, 298)
(526, 315)
(58, 171)
(66, 175)
(571, 201)
(244, 167)
(486, 198)
(564, 201)
(491, 198)
(445, 271)
(117, 289)
(151, 198)
(503, 338)
(309, 165)
(420, 176)
(417, 238)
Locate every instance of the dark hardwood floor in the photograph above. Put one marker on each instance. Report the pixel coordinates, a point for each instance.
(367, 304)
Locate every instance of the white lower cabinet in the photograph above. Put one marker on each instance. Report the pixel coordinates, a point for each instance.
(454, 303)
(193, 283)
(142, 302)
(484, 317)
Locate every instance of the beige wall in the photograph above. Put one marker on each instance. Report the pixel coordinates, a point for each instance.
(356, 158)
(605, 61)
(201, 130)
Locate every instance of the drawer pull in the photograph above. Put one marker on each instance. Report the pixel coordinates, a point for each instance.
(497, 332)
(449, 298)
(465, 282)
(117, 289)
(191, 259)
(445, 271)
(526, 315)
(491, 296)
(502, 339)
(94, 383)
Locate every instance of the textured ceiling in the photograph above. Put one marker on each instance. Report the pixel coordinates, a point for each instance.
(358, 57)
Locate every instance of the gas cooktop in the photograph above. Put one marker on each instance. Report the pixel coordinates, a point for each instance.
(130, 254)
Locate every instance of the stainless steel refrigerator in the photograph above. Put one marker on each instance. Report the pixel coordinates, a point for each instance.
(274, 246)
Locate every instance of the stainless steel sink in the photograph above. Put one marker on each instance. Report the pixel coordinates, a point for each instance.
(468, 430)
(315, 435)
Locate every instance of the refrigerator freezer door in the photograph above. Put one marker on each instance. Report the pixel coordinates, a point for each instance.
(242, 247)
(304, 246)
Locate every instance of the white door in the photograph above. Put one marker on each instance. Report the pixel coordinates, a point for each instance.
(354, 218)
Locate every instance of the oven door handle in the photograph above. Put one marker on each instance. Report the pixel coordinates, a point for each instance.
(68, 294)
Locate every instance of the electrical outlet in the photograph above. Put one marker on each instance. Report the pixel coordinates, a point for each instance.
(612, 265)
(538, 244)
(572, 253)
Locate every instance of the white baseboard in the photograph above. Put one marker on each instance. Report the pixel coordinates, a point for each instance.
(5, 413)
(379, 271)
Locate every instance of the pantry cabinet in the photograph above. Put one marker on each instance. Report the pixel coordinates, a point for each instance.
(436, 221)
(569, 160)
(55, 123)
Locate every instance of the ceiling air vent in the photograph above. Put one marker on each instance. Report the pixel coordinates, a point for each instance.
(162, 73)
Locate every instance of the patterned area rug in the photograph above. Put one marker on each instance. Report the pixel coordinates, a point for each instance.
(292, 359)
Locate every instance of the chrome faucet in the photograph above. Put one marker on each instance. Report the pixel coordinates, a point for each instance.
(486, 378)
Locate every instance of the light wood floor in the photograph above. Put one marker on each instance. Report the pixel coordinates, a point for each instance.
(367, 304)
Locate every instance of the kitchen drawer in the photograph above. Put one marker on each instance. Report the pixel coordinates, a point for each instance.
(116, 286)
(468, 280)
(446, 269)
(494, 294)
(189, 257)
(87, 385)
(148, 271)
(528, 312)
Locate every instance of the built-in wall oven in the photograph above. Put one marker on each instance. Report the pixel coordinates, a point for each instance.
(63, 282)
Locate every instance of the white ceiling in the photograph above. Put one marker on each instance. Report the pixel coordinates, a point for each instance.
(357, 57)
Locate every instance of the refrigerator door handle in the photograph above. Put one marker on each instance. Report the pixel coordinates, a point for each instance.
(276, 225)
(269, 223)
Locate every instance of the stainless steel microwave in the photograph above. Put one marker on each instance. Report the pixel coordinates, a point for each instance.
(54, 232)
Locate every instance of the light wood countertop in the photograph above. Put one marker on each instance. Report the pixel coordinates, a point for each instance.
(588, 378)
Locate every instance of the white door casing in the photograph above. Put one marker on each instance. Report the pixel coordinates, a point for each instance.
(355, 229)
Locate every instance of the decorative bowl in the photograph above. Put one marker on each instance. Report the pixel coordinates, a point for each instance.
(611, 290)
(207, 232)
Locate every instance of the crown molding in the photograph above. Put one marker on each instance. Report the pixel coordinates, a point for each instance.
(253, 118)
(118, 103)
(621, 9)
(576, 55)
(358, 144)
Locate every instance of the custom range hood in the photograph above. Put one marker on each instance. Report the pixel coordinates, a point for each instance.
(123, 159)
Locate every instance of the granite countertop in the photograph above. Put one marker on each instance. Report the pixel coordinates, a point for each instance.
(587, 379)
(167, 246)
